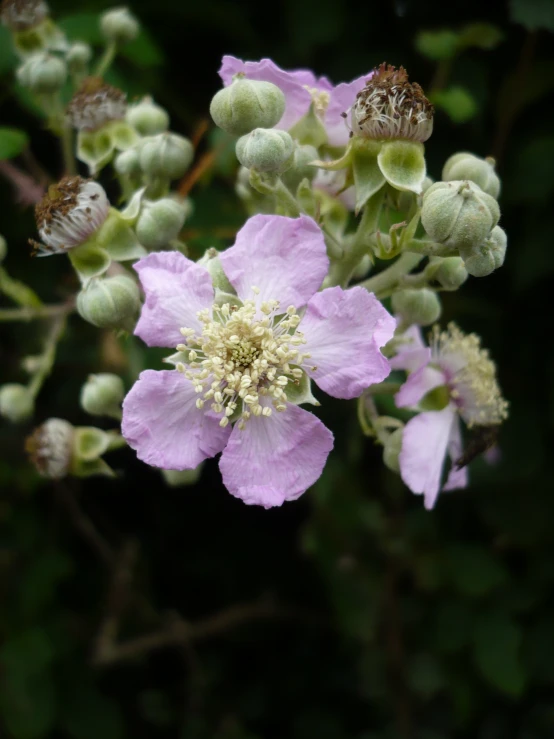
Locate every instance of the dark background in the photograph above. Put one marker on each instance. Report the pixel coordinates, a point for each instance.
(352, 613)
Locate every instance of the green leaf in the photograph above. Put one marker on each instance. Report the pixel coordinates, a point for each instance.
(424, 675)
(457, 102)
(87, 714)
(480, 35)
(437, 45)
(12, 142)
(533, 14)
(18, 291)
(8, 58)
(28, 707)
(473, 570)
(453, 625)
(496, 647)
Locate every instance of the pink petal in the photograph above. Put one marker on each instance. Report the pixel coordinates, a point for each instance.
(456, 478)
(424, 444)
(418, 384)
(277, 458)
(293, 84)
(411, 352)
(343, 97)
(285, 258)
(344, 330)
(175, 289)
(164, 426)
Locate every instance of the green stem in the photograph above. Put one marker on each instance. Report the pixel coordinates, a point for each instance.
(106, 60)
(384, 388)
(49, 354)
(389, 277)
(429, 248)
(286, 199)
(31, 314)
(66, 140)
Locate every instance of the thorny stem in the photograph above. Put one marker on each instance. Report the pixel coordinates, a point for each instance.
(389, 277)
(106, 59)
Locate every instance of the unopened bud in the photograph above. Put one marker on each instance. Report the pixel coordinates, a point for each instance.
(482, 259)
(265, 150)
(147, 118)
(111, 302)
(392, 448)
(16, 402)
(458, 214)
(102, 394)
(466, 166)
(159, 222)
(50, 448)
(422, 307)
(43, 74)
(450, 272)
(166, 155)
(119, 25)
(78, 58)
(247, 104)
(128, 163)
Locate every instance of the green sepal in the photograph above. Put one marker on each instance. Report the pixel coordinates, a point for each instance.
(402, 163)
(306, 198)
(94, 148)
(118, 239)
(182, 478)
(368, 177)
(122, 134)
(310, 129)
(299, 391)
(333, 165)
(90, 443)
(89, 260)
(177, 358)
(92, 468)
(222, 297)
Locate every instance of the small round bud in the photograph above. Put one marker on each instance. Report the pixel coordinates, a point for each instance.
(422, 307)
(265, 150)
(50, 448)
(390, 107)
(466, 166)
(147, 118)
(247, 104)
(450, 272)
(113, 302)
(159, 222)
(166, 155)
(119, 25)
(3, 248)
(392, 448)
(43, 74)
(78, 57)
(128, 163)
(102, 394)
(482, 260)
(300, 168)
(458, 214)
(16, 402)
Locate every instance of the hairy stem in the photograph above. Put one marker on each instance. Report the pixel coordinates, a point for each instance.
(389, 277)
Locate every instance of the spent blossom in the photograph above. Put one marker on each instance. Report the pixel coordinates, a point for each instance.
(21, 15)
(463, 379)
(242, 359)
(301, 87)
(95, 104)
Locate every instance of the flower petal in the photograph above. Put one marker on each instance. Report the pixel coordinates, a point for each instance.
(284, 257)
(164, 426)
(344, 330)
(457, 478)
(293, 84)
(418, 384)
(277, 458)
(343, 97)
(411, 352)
(175, 289)
(424, 444)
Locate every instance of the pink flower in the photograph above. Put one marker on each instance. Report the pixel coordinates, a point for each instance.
(464, 380)
(300, 88)
(245, 357)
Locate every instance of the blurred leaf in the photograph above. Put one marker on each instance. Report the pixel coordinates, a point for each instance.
(40, 580)
(18, 291)
(8, 58)
(453, 624)
(457, 102)
(27, 653)
(424, 675)
(531, 176)
(533, 14)
(496, 647)
(28, 707)
(12, 142)
(472, 569)
(437, 45)
(87, 714)
(481, 35)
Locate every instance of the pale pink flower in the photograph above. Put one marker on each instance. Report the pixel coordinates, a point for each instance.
(246, 357)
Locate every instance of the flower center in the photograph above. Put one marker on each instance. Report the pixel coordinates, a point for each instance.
(244, 358)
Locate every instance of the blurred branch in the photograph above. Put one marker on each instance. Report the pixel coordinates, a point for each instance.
(30, 314)
(27, 190)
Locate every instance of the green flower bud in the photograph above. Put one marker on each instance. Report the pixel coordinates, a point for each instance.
(482, 260)
(102, 394)
(159, 222)
(466, 166)
(450, 272)
(458, 214)
(127, 163)
(16, 402)
(113, 302)
(148, 118)
(3, 248)
(166, 155)
(247, 104)
(78, 58)
(119, 25)
(392, 448)
(265, 150)
(417, 306)
(43, 74)
(300, 168)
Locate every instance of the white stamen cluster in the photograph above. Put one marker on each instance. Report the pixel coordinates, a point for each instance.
(471, 376)
(320, 100)
(50, 448)
(95, 104)
(390, 107)
(20, 15)
(244, 354)
(70, 213)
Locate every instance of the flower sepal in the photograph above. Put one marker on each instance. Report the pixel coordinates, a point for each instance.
(89, 260)
(96, 148)
(89, 444)
(309, 130)
(299, 391)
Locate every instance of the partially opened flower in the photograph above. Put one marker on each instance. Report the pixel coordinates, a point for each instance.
(301, 87)
(244, 360)
(457, 376)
